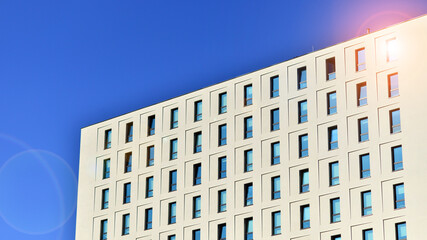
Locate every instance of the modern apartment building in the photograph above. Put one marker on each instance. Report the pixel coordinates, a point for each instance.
(326, 146)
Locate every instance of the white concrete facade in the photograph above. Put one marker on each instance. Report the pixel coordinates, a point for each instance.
(410, 65)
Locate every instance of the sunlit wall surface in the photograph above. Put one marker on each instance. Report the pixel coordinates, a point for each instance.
(333, 149)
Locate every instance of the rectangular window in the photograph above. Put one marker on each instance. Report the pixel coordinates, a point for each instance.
(129, 132)
(360, 59)
(196, 234)
(366, 203)
(365, 166)
(173, 237)
(362, 94)
(248, 160)
(368, 234)
(363, 130)
(198, 111)
(335, 210)
(197, 174)
(151, 125)
(332, 103)
(276, 223)
(222, 200)
(304, 181)
(222, 167)
(275, 188)
(107, 140)
(197, 142)
(303, 145)
(275, 153)
(248, 127)
(249, 194)
(197, 206)
(104, 230)
(334, 174)
(302, 78)
(395, 121)
(397, 159)
(126, 193)
(150, 156)
(222, 136)
(401, 231)
(248, 95)
(222, 103)
(399, 196)
(149, 188)
(391, 49)
(333, 137)
(174, 118)
(249, 229)
(125, 224)
(148, 219)
(336, 237)
(106, 169)
(173, 149)
(305, 216)
(128, 162)
(274, 86)
(302, 112)
(222, 231)
(172, 180)
(275, 119)
(393, 85)
(172, 213)
(330, 68)
(105, 198)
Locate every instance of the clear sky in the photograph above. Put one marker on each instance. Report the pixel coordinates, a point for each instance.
(65, 65)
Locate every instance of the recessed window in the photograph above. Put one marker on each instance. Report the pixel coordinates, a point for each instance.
(363, 130)
(104, 230)
(305, 216)
(248, 127)
(150, 156)
(336, 237)
(277, 225)
(365, 166)
(172, 237)
(303, 145)
(148, 219)
(332, 103)
(275, 153)
(149, 187)
(222, 200)
(391, 49)
(128, 162)
(304, 181)
(222, 135)
(198, 111)
(395, 121)
(151, 125)
(172, 213)
(274, 86)
(335, 210)
(248, 161)
(249, 200)
(397, 159)
(366, 203)
(368, 234)
(302, 78)
(197, 142)
(222, 167)
(222, 231)
(362, 94)
(107, 140)
(275, 119)
(173, 149)
(129, 132)
(172, 180)
(106, 169)
(105, 198)
(302, 112)
(330, 68)
(399, 196)
(360, 59)
(401, 231)
(393, 85)
(249, 229)
(222, 103)
(126, 193)
(197, 206)
(333, 137)
(275, 188)
(248, 95)
(125, 224)
(196, 234)
(334, 174)
(197, 174)
(174, 118)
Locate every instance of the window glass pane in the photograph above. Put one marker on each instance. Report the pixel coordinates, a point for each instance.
(197, 142)
(401, 231)
(361, 60)
(129, 132)
(149, 191)
(151, 125)
(222, 167)
(172, 213)
(149, 219)
(275, 149)
(302, 78)
(397, 158)
(222, 195)
(275, 86)
(332, 103)
(395, 121)
(303, 151)
(173, 185)
(393, 85)
(126, 219)
(365, 168)
(276, 188)
(275, 120)
(302, 108)
(174, 149)
(305, 217)
(222, 135)
(362, 94)
(392, 50)
(367, 203)
(248, 161)
(399, 196)
(197, 174)
(223, 103)
(174, 118)
(333, 138)
(196, 234)
(368, 235)
(198, 111)
(104, 230)
(106, 173)
(249, 195)
(335, 204)
(222, 232)
(197, 207)
(248, 95)
(105, 198)
(276, 223)
(363, 130)
(248, 127)
(127, 188)
(330, 69)
(305, 187)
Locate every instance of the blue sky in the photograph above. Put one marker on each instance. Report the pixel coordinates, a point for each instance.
(67, 64)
